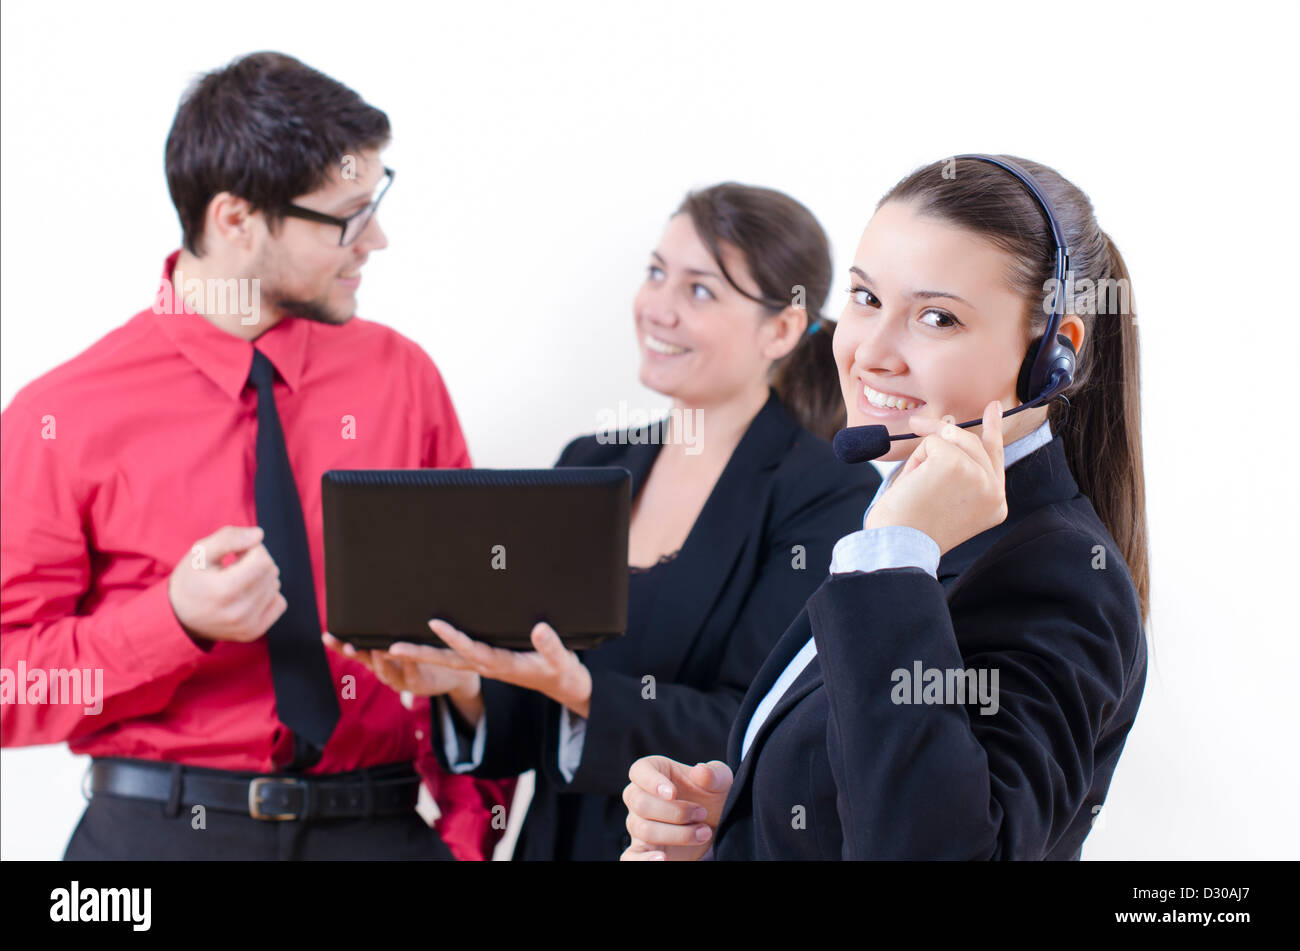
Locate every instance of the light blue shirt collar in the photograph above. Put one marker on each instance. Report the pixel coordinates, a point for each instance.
(1012, 453)
(1026, 444)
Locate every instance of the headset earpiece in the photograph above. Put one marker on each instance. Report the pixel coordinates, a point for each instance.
(1055, 370)
(1047, 370)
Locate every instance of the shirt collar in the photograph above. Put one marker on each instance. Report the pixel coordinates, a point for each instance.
(223, 357)
(1019, 448)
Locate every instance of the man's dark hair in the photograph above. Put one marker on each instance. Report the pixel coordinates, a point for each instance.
(267, 128)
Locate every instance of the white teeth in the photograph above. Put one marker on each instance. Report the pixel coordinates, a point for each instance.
(659, 346)
(876, 398)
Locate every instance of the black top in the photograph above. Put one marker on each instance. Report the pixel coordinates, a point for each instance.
(841, 770)
(699, 624)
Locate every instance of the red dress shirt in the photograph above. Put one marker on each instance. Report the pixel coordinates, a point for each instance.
(115, 463)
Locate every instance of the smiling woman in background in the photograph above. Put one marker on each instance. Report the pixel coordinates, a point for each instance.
(1014, 555)
(731, 531)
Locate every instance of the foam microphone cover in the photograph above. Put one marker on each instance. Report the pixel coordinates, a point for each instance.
(861, 443)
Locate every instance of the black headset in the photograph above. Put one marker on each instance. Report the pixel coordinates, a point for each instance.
(1049, 364)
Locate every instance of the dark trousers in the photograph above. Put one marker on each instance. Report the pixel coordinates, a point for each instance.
(116, 828)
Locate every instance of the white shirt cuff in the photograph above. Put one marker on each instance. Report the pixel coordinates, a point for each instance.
(451, 740)
(890, 546)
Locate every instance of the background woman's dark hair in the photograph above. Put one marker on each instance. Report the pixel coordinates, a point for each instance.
(1102, 428)
(266, 128)
(786, 253)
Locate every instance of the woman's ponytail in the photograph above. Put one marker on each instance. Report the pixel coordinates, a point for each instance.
(1102, 425)
(807, 382)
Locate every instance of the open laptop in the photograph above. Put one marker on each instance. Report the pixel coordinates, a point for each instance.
(490, 551)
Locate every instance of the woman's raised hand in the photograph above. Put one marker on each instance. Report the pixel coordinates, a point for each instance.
(953, 485)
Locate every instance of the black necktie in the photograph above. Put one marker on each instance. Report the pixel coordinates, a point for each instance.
(304, 687)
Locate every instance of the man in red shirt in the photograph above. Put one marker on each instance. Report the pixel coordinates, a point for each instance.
(140, 605)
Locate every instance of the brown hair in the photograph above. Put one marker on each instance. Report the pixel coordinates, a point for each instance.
(267, 128)
(786, 252)
(1101, 424)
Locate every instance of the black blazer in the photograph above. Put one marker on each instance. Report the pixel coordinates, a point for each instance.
(731, 590)
(839, 770)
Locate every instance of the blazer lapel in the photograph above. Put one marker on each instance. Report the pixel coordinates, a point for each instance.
(1039, 479)
(724, 527)
(792, 641)
(639, 460)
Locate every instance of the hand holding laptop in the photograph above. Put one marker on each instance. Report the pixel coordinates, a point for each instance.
(407, 673)
(551, 669)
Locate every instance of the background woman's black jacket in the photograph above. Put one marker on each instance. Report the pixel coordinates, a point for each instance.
(760, 546)
(877, 780)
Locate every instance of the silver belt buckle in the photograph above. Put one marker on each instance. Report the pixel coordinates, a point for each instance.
(255, 809)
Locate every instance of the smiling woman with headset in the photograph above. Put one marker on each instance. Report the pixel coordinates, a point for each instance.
(962, 684)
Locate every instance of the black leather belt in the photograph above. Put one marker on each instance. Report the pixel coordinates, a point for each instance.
(379, 791)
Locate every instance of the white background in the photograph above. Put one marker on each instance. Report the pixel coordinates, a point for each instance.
(540, 149)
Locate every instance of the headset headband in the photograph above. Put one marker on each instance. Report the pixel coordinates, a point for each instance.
(1058, 235)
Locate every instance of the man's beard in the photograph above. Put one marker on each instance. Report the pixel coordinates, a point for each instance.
(314, 310)
(271, 266)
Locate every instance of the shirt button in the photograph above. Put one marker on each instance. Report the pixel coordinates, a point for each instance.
(419, 734)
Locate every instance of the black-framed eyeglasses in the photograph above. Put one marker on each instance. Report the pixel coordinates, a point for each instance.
(351, 227)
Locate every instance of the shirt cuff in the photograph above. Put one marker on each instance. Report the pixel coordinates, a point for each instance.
(889, 546)
(455, 739)
(154, 635)
(573, 736)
